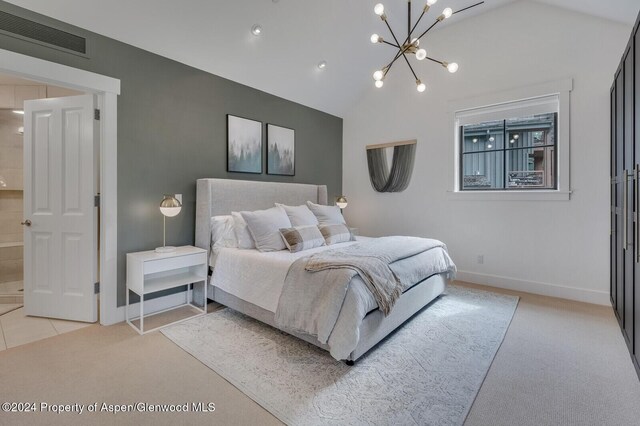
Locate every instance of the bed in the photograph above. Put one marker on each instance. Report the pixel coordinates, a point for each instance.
(249, 281)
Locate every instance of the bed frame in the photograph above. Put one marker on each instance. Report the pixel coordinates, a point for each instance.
(222, 196)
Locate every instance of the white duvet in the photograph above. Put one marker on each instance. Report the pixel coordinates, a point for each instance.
(257, 277)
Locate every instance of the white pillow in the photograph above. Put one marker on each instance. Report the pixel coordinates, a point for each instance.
(245, 240)
(222, 232)
(326, 214)
(299, 215)
(265, 225)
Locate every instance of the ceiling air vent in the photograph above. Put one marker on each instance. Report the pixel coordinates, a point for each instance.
(42, 34)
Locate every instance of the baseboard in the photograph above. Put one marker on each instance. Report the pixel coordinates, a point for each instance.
(545, 289)
(151, 306)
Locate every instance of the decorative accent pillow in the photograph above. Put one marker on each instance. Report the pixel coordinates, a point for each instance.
(326, 214)
(265, 225)
(335, 233)
(299, 215)
(245, 240)
(301, 238)
(222, 232)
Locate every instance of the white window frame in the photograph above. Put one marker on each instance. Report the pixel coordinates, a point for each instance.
(483, 105)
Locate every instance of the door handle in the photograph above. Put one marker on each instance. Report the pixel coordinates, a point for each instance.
(26, 223)
(625, 189)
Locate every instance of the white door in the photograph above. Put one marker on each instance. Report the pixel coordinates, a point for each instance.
(60, 243)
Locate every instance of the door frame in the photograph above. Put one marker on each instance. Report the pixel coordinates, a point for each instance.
(107, 90)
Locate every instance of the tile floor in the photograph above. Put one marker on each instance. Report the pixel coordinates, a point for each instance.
(11, 292)
(18, 329)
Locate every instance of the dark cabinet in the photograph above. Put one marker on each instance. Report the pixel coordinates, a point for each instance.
(636, 143)
(625, 195)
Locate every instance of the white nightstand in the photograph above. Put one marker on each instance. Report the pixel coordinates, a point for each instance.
(149, 272)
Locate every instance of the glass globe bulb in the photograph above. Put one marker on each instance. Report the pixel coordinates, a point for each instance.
(379, 83)
(375, 38)
(170, 206)
(489, 146)
(447, 13)
(431, 2)
(421, 87)
(322, 65)
(170, 211)
(415, 42)
(516, 136)
(452, 67)
(378, 75)
(378, 9)
(256, 30)
(474, 140)
(421, 54)
(491, 139)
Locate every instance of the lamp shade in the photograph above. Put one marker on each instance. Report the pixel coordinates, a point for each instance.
(341, 201)
(170, 206)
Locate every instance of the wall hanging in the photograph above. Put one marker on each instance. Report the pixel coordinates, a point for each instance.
(244, 145)
(396, 180)
(281, 143)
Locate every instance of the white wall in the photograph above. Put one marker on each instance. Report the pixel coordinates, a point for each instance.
(558, 248)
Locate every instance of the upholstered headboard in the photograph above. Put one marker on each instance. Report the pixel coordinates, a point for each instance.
(222, 196)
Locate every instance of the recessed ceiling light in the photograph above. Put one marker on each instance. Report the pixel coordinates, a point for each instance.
(18, 111)
(256, 30)
(322, 65)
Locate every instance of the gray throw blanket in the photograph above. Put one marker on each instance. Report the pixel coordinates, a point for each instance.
(315, 286)
(370, 261)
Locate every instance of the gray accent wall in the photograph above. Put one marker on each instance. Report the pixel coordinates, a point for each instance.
(172, 131)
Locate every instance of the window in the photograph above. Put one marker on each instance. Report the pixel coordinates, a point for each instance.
(517, 147)
(512, 153)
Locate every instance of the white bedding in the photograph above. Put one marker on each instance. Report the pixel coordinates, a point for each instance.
(258, 277)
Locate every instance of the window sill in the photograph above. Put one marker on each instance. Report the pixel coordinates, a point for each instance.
(530, 195)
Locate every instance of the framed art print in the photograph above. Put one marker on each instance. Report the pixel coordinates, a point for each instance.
(281, 144)
(244, 145)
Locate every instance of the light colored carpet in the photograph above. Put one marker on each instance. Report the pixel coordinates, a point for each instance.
(561, 363)
(428, 372)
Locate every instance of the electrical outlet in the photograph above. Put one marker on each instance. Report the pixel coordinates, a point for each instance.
(178, 197)
(480, 259)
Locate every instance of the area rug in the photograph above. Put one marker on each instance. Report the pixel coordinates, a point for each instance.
(426, 373)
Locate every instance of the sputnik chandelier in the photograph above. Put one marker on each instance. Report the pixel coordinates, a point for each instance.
(412, 45)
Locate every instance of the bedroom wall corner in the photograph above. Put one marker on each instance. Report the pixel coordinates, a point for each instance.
(558, 248)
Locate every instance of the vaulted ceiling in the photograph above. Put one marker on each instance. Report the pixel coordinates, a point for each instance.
(215, 36)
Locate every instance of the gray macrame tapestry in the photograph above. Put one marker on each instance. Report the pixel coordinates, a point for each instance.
(401, 165)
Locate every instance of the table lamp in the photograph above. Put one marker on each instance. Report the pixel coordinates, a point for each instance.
(169, 207)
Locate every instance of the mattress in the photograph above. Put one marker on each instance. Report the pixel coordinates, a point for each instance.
(258, 277)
